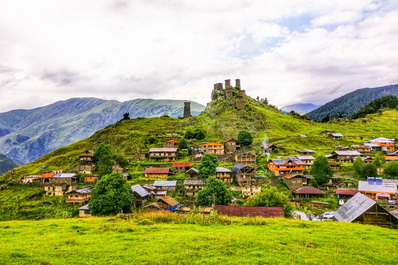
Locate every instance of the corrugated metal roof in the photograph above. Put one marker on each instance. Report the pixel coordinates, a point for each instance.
(182, 164)
(353, 208)
(237, 168)
(223, 170)
(270, 212)
(163, 150)
(347, 191)
(308, 190)
(198, 182)
(336, 134)
(139, 190)
(165, 183)
(157, 171)
(169, 201)
(192, 169)
(84, 190)
(347, 153)
(305, 157)
(305, 151)
(386, 186)
(65, 175)
(280, 162)
(84, 207)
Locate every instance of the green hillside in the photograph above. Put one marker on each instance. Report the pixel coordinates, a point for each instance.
(6, 164)
(200, 240)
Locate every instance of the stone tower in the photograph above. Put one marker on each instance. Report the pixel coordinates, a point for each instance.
(187, 109)
(237, 83)
(228, 83)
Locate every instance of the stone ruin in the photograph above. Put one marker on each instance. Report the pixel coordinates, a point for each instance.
(232, 94)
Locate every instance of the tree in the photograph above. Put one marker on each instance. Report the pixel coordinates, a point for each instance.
(121, 160)
(111, 195)
(369, 170)
(358, 167)
(245, 138)
(183, 144)
(199, 134)
(271, 197)
(207, 166)
(378, 162)
(321, 170)
(215, 192)
(103, 158)
(391, 169)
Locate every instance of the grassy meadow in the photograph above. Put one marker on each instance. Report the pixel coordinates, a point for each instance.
(194, 239)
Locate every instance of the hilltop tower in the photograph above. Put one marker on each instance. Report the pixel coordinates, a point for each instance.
(187, 109)
(234, 95)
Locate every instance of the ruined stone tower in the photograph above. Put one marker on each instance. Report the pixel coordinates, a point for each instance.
(187, 109)
(234, 95)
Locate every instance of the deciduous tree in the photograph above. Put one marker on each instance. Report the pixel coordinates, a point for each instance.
(103, 158)
(207, 166)
(215, 192)
(321, 170)
(245, 138)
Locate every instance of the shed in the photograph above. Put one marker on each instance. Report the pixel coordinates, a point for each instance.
(361, 209)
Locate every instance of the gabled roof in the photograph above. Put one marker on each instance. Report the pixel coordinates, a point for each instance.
(305, 157)
(360, 146)
(84, 190)
(211, 143)
(163, 150)
(386, 186)
(193, 169)
(351, 192)
(308, 190)
(336, 134)
(157, 171)
(169, 201)
(199, 182)
(353, 208)
(238, 167)
(65, 175)
(232, 140)
(223, 170)
(281, 162)
(305, 151)
(165, 183)
(139, 190)
(347, 153)
(182, 164)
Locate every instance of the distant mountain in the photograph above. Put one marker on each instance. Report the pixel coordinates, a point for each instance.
(6, 164)
(351, 103)
(301, 108)
(26, 135)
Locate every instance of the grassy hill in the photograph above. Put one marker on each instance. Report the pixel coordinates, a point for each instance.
(6, 164)
(194, 239)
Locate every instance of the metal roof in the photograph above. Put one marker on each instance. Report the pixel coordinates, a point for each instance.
(347, 153)
(165, 183)
(182, 164)
(386, 186)
(65, 175)
(223, 170)
(84, 207)
(305, 157)
(347, 191)
(84, 190)
(353, 208)
(139, 190)
(198, 182)
(192, 169)
(336, 134)
(308, 190)
(169, 200)
(305, 151)
(157, 170)
(281, 162)
(237, 168)
(163, 150)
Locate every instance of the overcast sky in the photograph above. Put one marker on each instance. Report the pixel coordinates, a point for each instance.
(288, 51)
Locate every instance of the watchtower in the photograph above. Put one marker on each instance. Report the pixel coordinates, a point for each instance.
(187, 109)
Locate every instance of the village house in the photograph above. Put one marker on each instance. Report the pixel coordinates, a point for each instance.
(163, 203)
(157, 172)
(231, 145)
(84, 211)
(244, 211)
(290, 166)
(335, 136)
(50, 174)
(379, 189)
(140, 195)
(247, 159)
(86, 162)
(345, 194)
(270, 148)
(192, 173)
(345, 156)
(163, 154)
(79, 196)
(248, 191)
(28, 179)
(224, 174)
(193, 186)
(391, 157)
(181, 166)
(307, 160)
(245, 175)
(165, 185)
(363, 149)
(308, 192)
(361, 209)
(294, 182)
(171, 143)
(212, 148)
(305, 151)
(60, 184)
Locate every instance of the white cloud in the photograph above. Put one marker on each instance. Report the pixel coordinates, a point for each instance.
(178, 49)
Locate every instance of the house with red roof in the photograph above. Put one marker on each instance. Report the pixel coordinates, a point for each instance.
(171, 143)
(308, 192)
(157, 172)
(346, 194)
(181, 166)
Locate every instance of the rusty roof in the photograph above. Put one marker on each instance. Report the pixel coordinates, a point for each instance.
(308, 190)
(351, 192)
(182, 164)
(169, 201)
(157, 171)
(269, 212)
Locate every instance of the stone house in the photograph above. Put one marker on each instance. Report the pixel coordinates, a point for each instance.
(171, 143)
(79, 196)
(181, 166)
(60, 184)
(224, 174)
(308, 192)
(212, 148)
(245, 175)
(163, 154)
(345, 156)
(86, 162)
(193, 186)
(363, 149)
(157, 172)
(335, 136)
(247, 159)
(140, 194)
(165, 185)
(192, 173)
(231, 145)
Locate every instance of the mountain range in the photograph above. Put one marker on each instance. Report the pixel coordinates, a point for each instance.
(351, 103)
(26, 135)
(300, 108)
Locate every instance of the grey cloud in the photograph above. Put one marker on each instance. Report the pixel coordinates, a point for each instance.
(61, 77)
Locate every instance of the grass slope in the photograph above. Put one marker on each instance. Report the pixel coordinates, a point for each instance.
(114, 241)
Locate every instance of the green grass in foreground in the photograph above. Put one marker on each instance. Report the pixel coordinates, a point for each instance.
(138, 241)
